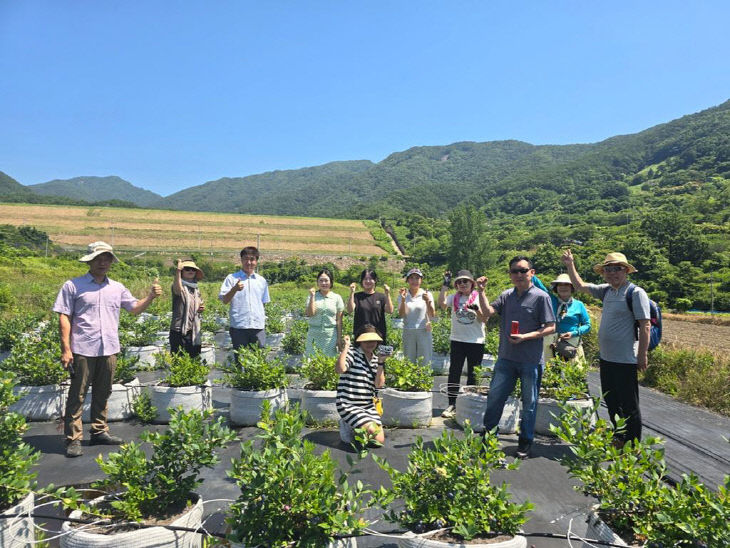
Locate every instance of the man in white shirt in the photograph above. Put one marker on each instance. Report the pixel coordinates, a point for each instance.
(247, 293)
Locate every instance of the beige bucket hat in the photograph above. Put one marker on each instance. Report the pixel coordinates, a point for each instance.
(97, 248)
(617, 259)
(561, 279)
(191, 264)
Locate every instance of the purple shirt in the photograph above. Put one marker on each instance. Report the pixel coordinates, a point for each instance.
(94, 312)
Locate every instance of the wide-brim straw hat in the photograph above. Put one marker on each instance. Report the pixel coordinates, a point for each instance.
(191, 264)
(97, 248)
(561, 279)
(464, 275)
(369, 336)
(617, 259)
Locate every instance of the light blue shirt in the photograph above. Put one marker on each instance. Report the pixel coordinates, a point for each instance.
(575, 321)
(246, 306)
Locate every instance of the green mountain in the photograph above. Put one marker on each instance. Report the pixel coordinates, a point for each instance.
(96, 189)
(8, 185)
(682, 157)
(288, 192)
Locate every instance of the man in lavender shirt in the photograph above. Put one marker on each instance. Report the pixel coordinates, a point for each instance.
(88, 316)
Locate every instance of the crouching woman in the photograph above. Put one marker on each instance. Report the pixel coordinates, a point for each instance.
(361, 372)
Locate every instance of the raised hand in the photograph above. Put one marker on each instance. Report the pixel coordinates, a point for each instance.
(482, 283)
(156, 289)
(567, 257)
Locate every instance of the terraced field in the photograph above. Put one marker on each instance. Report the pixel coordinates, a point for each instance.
(160, 230)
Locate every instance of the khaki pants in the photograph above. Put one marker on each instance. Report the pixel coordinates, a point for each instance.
(97, 372)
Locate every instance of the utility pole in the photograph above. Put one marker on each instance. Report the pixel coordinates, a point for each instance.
(112, 233)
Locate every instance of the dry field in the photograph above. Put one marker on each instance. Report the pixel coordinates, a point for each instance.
(160, 230)
(697, 336)
(690, 332)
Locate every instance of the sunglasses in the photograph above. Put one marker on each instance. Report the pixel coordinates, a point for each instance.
(462, 281)
(519, 270)
(189, 269)
(615, 268)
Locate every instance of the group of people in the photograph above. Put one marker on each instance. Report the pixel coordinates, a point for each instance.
(88, 307)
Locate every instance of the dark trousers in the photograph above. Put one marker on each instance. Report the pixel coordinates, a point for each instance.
(245, 337)
(97, 372)
(620, 387)
(460, 351)
(178, 342)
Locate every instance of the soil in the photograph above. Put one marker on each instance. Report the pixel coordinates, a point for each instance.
(445, 536)
(694, 335)
(172, 514)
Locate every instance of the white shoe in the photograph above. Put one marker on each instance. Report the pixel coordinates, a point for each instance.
(449, 412)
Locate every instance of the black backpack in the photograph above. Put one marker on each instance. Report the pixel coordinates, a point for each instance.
(655, 318)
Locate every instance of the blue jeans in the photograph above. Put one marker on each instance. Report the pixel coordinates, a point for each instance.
(504, 378)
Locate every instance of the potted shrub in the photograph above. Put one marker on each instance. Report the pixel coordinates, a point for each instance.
(318, 397)
(441, 331)
(12, 329)
(636, 506)
(185, 384)
(36, 362)
(138, 337)
(125, 389)
(275, 325)
(254, 379)
(294, 343)
(407, 400)
(448, 498)
(563, 384)
(16, 479)
(471, 404)
(290, 494)
(153, 488)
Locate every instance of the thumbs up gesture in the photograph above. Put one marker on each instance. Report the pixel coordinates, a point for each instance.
(156, 289)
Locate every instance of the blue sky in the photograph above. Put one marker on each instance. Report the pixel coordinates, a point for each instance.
(169, 95)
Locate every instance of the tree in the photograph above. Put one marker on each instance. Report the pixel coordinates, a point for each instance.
(677, 234)
(469, 247)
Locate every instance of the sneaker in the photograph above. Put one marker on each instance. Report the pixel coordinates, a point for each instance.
(449, 412)
(73, 449)
(523, 449)
(105, 438)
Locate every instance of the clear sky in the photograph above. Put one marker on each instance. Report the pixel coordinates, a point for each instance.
(169, 95)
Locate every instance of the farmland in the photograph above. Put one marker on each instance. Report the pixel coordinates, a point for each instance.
(159, 230)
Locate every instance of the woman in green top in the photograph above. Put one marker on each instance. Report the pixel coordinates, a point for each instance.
(324, 310)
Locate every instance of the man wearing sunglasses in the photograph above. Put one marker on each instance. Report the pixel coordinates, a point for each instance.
(527, 316)
(622, 352)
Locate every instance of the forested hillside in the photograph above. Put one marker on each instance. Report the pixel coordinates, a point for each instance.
(277, 192)
(688, 157)
(96, 189)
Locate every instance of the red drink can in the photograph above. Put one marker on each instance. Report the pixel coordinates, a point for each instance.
(515, 328)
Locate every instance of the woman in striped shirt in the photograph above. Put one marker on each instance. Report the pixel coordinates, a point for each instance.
(361, 372)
